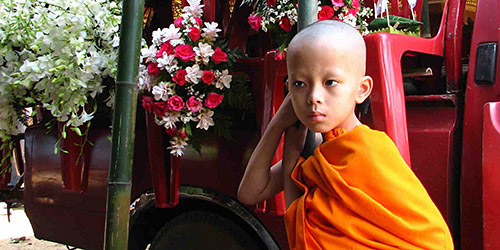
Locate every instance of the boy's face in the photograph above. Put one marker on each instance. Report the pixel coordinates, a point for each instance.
(325, 84)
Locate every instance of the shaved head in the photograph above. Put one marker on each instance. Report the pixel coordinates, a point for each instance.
(341, 37)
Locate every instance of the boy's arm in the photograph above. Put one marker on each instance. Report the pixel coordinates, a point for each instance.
(261, 180)
(294, 143)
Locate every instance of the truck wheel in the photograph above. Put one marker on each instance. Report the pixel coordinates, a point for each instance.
(202, 230)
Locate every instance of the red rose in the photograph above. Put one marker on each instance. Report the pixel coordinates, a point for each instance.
(153, 69)
(178, 22)
(213, 100)
(208, 77)
(271, 2)
(280, 55)
(325, 13)
(219, 56)
(171, 131)
(198, 21)
(148, 103)
(160, 108)
(255, 22)
(165, 47)
(175, 103)
(285, 24)
(193, 104)
(184, 52)
(182, 133)
(180, 77)
(194, 34)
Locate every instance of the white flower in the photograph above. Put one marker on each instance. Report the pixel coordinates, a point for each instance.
(204, 120)
(204, 51)
(160, 92)
(210, 32)
(223, 79)
(194, 74)
(149, 53)
(177, 146)
(170, 118)
(166, 61)
(194, 8)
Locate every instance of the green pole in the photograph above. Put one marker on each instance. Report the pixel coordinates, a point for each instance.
(308, 13)
(120, 167)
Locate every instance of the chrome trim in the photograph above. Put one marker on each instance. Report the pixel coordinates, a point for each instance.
(147, 200)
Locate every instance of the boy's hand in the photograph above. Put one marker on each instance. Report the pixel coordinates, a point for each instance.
(285, 117)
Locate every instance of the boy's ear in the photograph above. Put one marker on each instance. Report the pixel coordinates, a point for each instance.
(364, 90)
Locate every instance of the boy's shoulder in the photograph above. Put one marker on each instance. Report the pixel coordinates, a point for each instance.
(361, 141)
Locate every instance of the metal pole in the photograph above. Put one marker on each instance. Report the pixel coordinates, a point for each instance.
(120, 167)
(308, 13)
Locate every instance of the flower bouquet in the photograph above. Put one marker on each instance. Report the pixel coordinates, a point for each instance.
(56, 54)
(280, 17)
(185, 74)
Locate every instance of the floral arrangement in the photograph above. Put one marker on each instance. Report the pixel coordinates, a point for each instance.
(55, 53)
(280, 17)
(185, 74)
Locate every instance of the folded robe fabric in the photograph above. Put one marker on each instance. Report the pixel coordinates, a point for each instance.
(360, 194)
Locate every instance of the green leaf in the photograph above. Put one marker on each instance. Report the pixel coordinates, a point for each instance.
(77, 131)
(63, 133)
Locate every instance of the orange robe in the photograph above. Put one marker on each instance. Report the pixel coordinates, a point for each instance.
(360, 194)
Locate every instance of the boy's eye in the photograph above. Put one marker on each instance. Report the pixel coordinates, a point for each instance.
(331, 83)
(298, 84)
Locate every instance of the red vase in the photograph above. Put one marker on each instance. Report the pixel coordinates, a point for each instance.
(75, 161)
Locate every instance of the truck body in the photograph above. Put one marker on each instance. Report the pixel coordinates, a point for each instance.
(438, 99)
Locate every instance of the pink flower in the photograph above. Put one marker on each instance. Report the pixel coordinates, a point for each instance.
(160, 108)
(271, 2)
(325, 13)
(148, 103)
(285, 24)
(213, 100)
(175, 103)
(178, 22)
(194, 34)
(208, 77)
(352, 12)
(153, 69)
(193, 104)
(356, 5)
(280, 55)
(165, 47)
(198, 21)
(255, 21)
(219, 56)
(338, 3)
(184, 52)
(180, 77)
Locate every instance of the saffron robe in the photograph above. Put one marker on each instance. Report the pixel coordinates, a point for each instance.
(360, 194)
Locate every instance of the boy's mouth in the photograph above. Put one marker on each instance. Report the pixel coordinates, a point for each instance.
(316, 116)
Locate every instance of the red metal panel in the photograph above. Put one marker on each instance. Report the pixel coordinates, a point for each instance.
(384, 53)
(491, 175)
(486, 29)
(453, 45)
(432, 133)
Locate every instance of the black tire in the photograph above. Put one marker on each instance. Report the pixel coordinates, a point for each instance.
(202, 230)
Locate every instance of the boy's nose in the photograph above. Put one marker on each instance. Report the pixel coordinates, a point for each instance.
(315, 96)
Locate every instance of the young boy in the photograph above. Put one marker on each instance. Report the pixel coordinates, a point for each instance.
(355, 191)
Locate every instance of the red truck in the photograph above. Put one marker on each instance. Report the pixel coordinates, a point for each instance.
(438, 98)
